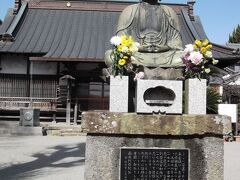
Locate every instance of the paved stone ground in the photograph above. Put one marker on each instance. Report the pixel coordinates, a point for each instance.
(62, 158)
(42, 158)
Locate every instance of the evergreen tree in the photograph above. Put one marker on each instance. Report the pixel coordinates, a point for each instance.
(235, 36)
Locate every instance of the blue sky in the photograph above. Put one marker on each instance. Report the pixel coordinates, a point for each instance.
(219, 17)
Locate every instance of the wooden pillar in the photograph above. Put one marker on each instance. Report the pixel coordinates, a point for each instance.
(54, 117)
(68, 109)
(0, 62)
(76, 111)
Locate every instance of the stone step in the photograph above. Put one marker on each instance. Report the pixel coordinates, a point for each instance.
(6, 127)
(63, 130)
(27, 131)
(73, 134)
(4, 131)
(64, 133)
(13, 128)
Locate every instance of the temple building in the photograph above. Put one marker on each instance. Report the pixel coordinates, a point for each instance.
(49, 48)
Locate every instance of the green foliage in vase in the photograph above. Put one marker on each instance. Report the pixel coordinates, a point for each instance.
(213, 99)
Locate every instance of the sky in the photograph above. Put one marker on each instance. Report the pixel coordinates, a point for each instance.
(219, 17)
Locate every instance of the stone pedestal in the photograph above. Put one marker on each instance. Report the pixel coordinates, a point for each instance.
(108, 132)
(118, 94)
(29, 117)
(195, 96)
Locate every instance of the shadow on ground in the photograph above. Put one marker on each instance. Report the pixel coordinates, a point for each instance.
(59, 158)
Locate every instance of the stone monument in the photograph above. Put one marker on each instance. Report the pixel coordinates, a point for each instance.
(153, 142)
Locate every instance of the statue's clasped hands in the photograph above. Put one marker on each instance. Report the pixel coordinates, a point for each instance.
(155, 48)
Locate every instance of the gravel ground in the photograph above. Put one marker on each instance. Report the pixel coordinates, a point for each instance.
(42, 158)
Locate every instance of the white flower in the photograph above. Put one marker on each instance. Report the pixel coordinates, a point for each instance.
(189, 48)
(207, 70)
(125, 49)
(139, 75)
(115, 40)
(214, 61)
(196, 57)
(133, 48)
(136, 44)
(209, 54)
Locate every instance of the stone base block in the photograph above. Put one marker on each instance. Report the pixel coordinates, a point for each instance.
(195, 96)
(103, 154)
(163, 96)
(109, 132)
(118, 94)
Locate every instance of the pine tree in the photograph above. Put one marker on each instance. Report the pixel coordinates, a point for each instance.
(235, 36)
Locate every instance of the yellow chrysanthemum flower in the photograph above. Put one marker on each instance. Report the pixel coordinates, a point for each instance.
(129, 41)
(198, 43)
(209, 47)
(125, 57)
(122, 62)
(123, 40)
(195, 46)
(126, 41)
(119, 47)
(205, 43)
(203, 50)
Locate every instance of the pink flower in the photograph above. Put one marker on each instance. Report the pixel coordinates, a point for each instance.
(139, 75)
(196, 57)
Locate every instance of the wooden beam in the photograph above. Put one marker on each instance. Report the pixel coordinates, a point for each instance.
(80, 5)
(61, 59)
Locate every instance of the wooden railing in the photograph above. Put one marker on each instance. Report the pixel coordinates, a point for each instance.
(16, 103)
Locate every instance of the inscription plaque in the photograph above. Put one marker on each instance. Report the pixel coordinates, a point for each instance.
(154, 164)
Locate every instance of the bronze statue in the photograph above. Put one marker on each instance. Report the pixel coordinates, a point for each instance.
(157, 30)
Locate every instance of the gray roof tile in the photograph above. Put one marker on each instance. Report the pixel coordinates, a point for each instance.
(64, 33)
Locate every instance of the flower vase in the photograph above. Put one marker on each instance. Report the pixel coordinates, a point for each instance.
(195, 96)
(118, 100)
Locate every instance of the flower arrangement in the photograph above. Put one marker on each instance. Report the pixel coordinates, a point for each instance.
(123, 48)
(197, 58)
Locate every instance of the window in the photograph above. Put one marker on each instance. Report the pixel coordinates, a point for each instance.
(93, 96)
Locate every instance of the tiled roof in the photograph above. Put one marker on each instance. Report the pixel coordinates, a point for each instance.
(64, 33)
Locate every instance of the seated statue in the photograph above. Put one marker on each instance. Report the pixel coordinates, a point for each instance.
(156, 28)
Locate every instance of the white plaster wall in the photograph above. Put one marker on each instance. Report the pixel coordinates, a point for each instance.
(43, 68)
(13, 64)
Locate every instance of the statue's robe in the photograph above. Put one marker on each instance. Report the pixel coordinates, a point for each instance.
(153, 26)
